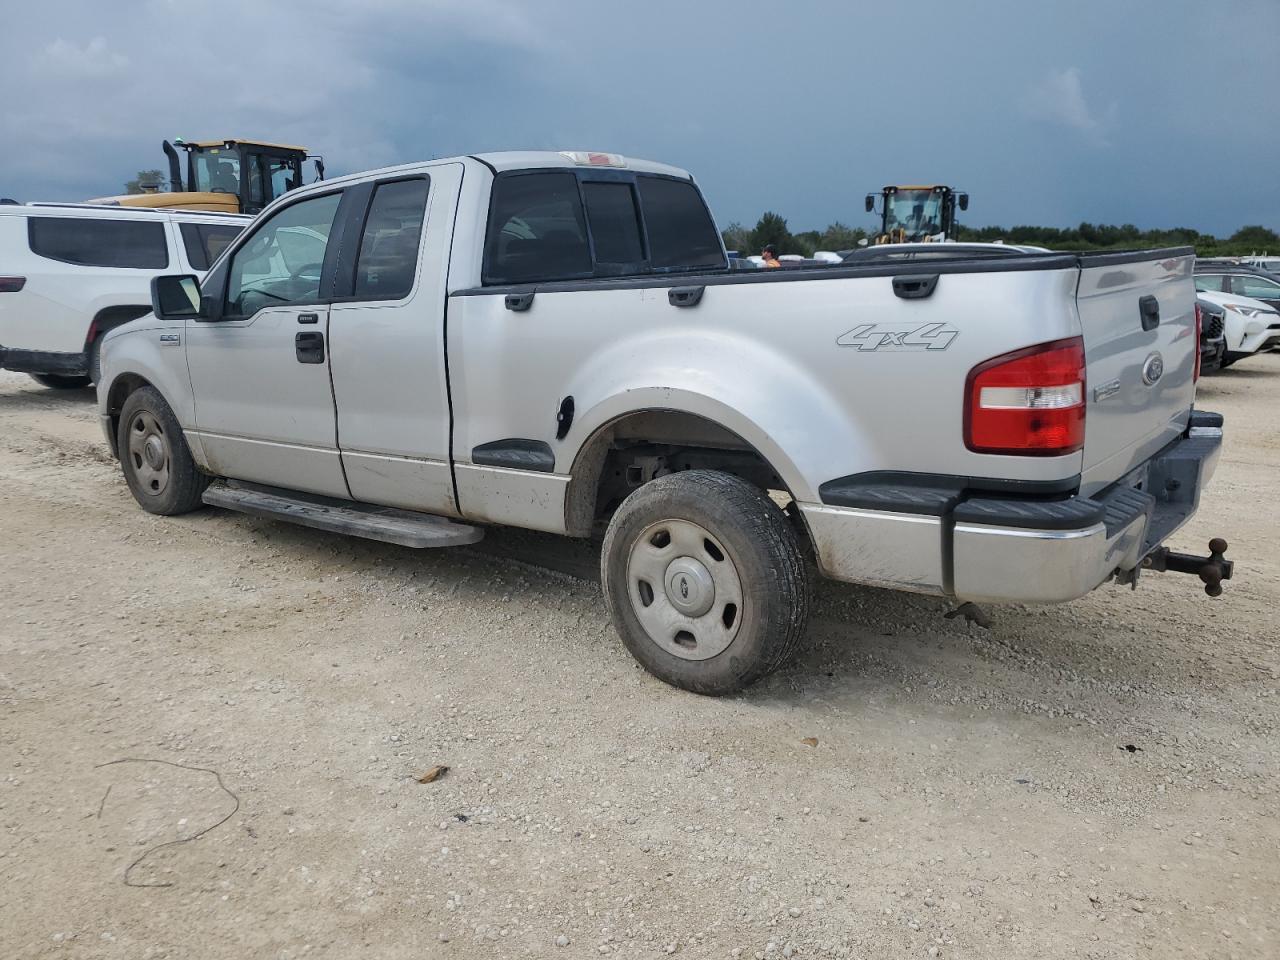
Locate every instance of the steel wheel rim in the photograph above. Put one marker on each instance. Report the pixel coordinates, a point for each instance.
(685, 589)
(150, 453)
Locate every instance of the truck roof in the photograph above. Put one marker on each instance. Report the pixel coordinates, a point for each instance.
(104, 211)
(524, 159)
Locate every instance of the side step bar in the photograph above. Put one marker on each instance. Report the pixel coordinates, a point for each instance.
(403, 527)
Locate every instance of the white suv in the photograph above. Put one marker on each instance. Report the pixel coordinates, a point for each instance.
(69, 273)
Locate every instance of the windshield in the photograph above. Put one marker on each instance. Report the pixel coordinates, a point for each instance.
(918, 213)
(215, 169)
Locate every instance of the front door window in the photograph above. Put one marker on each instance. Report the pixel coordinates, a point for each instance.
(282, 261)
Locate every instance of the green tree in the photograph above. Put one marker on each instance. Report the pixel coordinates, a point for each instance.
(147, 181)
(737, 237)
(838, 236)
(772, 229)
(1256, 236)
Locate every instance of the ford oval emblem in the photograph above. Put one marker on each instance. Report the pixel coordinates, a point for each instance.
(1153, 369)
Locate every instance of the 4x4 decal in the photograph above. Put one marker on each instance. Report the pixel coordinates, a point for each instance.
(884, 336)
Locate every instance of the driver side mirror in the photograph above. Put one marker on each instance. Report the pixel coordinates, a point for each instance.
(176, 297)
(964, 201)
(871, 202)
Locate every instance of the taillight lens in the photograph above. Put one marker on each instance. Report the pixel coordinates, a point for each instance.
(1199, 329)
(1029, 402)
(12, 284)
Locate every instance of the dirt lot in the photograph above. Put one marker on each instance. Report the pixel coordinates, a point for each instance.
(1091, 780)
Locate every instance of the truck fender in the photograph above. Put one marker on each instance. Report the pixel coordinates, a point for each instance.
(731, 380)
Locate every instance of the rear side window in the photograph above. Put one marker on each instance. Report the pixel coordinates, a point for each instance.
(681, 234)
(389, 245)
(537, 230)
(1210, 282)
(615, 228)
(204, 242)
(134, 244)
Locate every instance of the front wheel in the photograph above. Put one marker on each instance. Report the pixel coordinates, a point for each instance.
(705, 581)
(154, 456)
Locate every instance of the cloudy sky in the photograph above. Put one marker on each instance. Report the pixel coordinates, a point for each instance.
(1160, 114)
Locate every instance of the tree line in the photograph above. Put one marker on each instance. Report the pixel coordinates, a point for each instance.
(772, 229)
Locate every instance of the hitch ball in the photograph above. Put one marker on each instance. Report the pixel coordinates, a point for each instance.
(1211, 570)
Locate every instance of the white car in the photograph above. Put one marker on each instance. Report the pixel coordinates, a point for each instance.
(1269, 264)
(69, 273)
(1251, 325)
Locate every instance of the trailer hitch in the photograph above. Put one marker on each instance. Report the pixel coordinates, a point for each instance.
(1211, 570)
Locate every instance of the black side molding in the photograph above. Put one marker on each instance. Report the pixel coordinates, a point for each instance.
(516, 454)
(915, 288)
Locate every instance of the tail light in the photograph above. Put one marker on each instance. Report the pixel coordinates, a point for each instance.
(1029, 402)
(1199, 330)
(12, 284)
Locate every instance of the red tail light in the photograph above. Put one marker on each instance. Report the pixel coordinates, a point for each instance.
(1029, 402)
(12, 284)
(1199, 328)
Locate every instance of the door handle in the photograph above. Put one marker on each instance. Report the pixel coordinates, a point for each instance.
(1149, 310)
(308, 318)
(309, 346)
(685, 296)
(915, 288)
(519, 302)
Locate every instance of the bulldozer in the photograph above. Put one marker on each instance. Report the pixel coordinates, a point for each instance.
(225, 176)
(917, 214)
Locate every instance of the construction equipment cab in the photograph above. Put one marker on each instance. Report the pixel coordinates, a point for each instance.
(226, 176)
(918, 214)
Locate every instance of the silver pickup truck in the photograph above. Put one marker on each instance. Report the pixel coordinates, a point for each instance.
(556, 341)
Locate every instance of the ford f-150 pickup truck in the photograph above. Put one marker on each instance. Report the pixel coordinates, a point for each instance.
(554, 341)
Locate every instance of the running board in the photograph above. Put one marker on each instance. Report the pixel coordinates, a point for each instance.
(403, 527)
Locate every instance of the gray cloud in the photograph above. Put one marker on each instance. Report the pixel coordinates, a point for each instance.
(796, 108)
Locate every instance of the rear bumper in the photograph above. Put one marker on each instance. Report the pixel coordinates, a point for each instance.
(980, 546)
(44, 361)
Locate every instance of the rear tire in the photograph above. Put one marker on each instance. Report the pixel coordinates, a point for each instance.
(155, 458)
(705, 581)
(60, 381)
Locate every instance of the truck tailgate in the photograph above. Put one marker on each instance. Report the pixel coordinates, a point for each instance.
(1137, 315)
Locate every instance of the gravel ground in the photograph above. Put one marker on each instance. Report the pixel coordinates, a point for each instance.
(1091, 780)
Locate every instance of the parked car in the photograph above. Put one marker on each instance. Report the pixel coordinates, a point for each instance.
(73, 272)
(1213, 338)
(460, 351)
(1269, 264)
(1242, 281)
(1250, 325)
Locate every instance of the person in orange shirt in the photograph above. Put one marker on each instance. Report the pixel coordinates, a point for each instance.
(770, 256)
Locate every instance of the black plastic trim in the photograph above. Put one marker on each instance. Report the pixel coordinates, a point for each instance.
(516, 454)
(43, 361)
(1205, 418)
(1074, 514)
(1132, 256)
(931, 494)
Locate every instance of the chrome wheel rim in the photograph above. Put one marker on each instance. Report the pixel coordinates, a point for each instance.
(150, 453)
(684, 589)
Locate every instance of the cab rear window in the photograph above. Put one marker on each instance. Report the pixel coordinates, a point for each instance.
(135, 244)
(681, 234)
(554, 225)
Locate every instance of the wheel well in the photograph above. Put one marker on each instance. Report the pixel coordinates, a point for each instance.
(124, 385)
(109, 318)
(632, 450)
